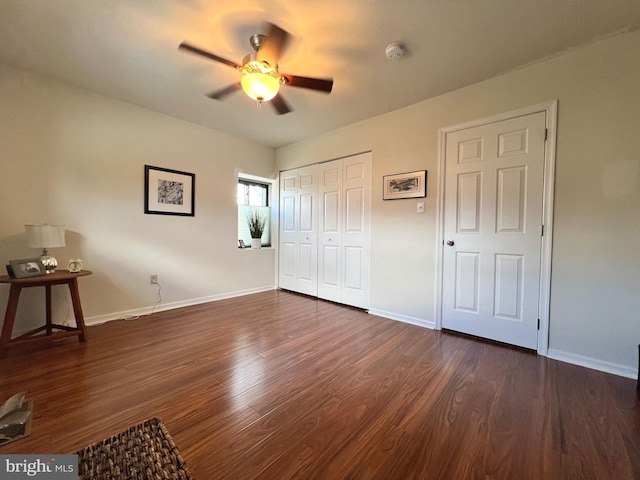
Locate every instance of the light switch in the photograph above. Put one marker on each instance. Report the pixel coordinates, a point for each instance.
(420, 207)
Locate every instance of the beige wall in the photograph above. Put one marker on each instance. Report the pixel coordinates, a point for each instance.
(595, 299)
(73, 157)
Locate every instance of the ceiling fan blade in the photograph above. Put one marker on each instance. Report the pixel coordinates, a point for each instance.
(272, 45)
(319, 84)
(223, 92)
(280, 105)
(211, 56)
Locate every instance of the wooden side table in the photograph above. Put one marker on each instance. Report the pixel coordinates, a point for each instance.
(56, 278)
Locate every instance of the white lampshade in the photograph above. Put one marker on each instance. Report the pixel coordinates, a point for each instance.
(45, 236)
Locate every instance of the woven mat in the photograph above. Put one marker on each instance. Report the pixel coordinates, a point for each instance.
(143, 452)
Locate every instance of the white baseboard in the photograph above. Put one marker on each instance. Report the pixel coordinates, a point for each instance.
(138, 312)
(593, 363)
(403, 318)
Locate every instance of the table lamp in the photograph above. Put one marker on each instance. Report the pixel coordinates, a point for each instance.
(45, 237)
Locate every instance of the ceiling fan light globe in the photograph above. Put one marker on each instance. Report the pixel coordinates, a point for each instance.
(261, 87)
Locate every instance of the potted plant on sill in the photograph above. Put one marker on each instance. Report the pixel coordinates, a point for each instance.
(256, 222)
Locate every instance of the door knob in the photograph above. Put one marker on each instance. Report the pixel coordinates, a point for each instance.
(451, 243)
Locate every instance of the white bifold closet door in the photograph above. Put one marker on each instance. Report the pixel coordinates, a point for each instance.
(325, 229)
(344, 230)
(298, 269)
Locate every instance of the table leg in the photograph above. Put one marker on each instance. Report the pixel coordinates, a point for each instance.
(10, 315)
(77, 308)
(48, 310)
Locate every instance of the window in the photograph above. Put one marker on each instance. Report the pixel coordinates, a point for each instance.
(253, 193)
(253, 198)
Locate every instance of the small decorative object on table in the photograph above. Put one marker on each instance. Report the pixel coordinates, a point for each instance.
(27, 267)
(74, 266)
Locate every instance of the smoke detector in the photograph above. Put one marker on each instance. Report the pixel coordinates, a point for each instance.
(395, 50)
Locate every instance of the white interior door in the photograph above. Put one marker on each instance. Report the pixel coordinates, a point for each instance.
(494, 179)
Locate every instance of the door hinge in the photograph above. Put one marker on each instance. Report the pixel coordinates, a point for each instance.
(538, 324)
(542, 230)
(546, 134)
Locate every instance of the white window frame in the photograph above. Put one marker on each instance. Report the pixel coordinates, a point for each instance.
(270, 183)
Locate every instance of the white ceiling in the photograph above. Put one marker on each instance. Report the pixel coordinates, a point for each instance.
(127, 49)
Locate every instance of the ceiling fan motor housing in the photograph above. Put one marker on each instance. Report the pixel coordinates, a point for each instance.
(255, 40)
(250, 64)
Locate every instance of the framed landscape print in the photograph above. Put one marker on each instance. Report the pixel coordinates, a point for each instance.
(169, 192)
(405, 185)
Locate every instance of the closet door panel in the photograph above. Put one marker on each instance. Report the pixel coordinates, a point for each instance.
(288, 258)
(330, 232)
(307, 279)
(356, 187)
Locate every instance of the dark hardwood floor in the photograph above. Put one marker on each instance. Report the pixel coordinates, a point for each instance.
(281, 386)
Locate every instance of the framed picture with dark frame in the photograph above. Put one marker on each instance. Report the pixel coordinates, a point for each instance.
(404, 185)
(169, 192)
(27, 267)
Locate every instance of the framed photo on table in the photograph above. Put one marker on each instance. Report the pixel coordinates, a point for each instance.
(169, 192)
(28, 267)
(404, 185)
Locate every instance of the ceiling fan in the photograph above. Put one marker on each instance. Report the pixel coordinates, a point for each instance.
(261, 80)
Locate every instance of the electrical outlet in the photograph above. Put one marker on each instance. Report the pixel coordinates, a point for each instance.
(154, 279)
